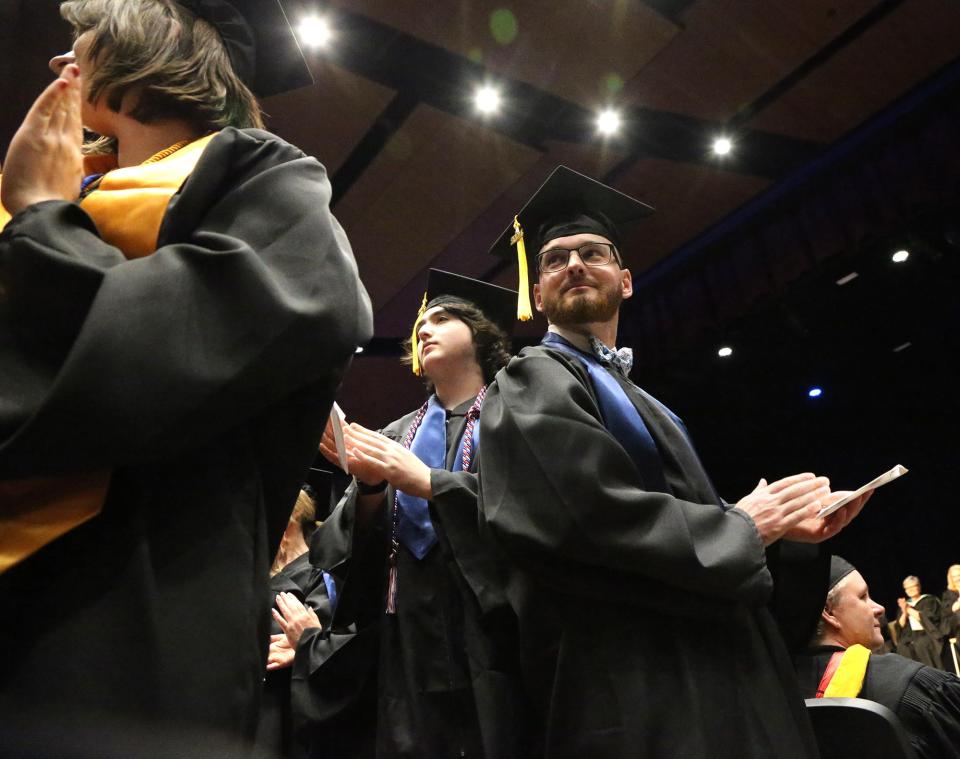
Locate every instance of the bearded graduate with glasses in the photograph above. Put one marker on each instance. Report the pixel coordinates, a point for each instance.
(178, 308)
(642, 597)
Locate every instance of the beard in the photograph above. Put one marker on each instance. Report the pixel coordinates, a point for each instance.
(599, 305)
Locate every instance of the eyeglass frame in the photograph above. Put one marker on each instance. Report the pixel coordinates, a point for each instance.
(614, 256)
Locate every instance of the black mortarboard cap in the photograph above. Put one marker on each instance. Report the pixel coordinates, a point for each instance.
(839, 568)
(262, 45)
(497, 303)
(567, 203)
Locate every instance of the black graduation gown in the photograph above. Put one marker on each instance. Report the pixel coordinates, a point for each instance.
(643, 618)
(202, 375)
(926, 700)
(924, 645)
(441, 669)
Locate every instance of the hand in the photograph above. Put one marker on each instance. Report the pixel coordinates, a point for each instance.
(818, 529)
(374, 458)
(902, 603)
(280, 654)
(781, 506)
(293, 617)
(328, 446)
(44, 161)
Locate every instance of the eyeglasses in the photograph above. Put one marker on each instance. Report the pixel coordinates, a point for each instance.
(591, 253)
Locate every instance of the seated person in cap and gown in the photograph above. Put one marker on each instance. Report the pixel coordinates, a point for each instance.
(420, 612)
(840, 663)
(920, 625)
(171, 339)
(643, 599)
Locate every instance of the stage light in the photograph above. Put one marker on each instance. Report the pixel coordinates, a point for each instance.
(900, 256)
(902, 347)
(315, 32)
(722, 146)
(359, 349)
(608, 122)
(725, 351)
(815, 392)
(487, 100)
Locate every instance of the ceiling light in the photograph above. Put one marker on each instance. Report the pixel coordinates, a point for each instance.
(900, 256)
(359, 349)
(608, 122)
(722, 146)
(815, 392)
(487, 100)
(315, 32)
(849, 278)
(725, 351)
(902, 347)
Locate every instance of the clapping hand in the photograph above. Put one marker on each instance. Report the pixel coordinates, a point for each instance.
(44, 161)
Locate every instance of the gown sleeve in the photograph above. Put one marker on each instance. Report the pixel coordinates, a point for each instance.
(563, 500)
(251, 296)
(930, 710)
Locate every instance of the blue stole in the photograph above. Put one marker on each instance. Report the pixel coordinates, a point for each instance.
(620, 416)
(414, 527)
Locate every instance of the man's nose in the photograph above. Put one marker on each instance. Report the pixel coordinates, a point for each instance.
(59, 61)
(575, 262)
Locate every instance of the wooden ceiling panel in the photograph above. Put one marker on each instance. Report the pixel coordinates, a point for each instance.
(435, 175)
(328, 119)
(687, 198)
(907, 46)
(731, 52)
(580, 50)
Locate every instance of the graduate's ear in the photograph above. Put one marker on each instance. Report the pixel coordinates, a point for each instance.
(537, 298)
(626, 283)
(829, 618)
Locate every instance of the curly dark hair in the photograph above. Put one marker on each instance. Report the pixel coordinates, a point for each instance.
(491, 344)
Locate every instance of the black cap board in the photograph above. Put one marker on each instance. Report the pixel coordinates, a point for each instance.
(567, 203)
(497, 303)
(262, 45)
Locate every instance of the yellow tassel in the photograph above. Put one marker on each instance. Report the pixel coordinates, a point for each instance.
(414, 346)
(524, 311)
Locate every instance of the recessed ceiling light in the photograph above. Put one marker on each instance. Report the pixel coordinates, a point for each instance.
(487, 100)
(815, 392)
(900, 256)
(608, 122)
(725, 351)
(722, 146)
(315, 31)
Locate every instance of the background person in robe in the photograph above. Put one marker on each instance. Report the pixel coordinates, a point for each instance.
(951, 601)
(926, 700)
(921, 625)
(642, 598)
(170, 342)
(404, 540)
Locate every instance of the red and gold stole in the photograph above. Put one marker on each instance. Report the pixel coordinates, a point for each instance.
(843, 677)
(127, 206)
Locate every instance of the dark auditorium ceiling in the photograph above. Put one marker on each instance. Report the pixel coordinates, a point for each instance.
(846, 127)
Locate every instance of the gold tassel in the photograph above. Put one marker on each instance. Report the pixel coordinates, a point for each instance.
(524, 311)
(414, 346)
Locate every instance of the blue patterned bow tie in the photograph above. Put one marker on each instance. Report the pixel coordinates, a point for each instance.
(621, 360)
